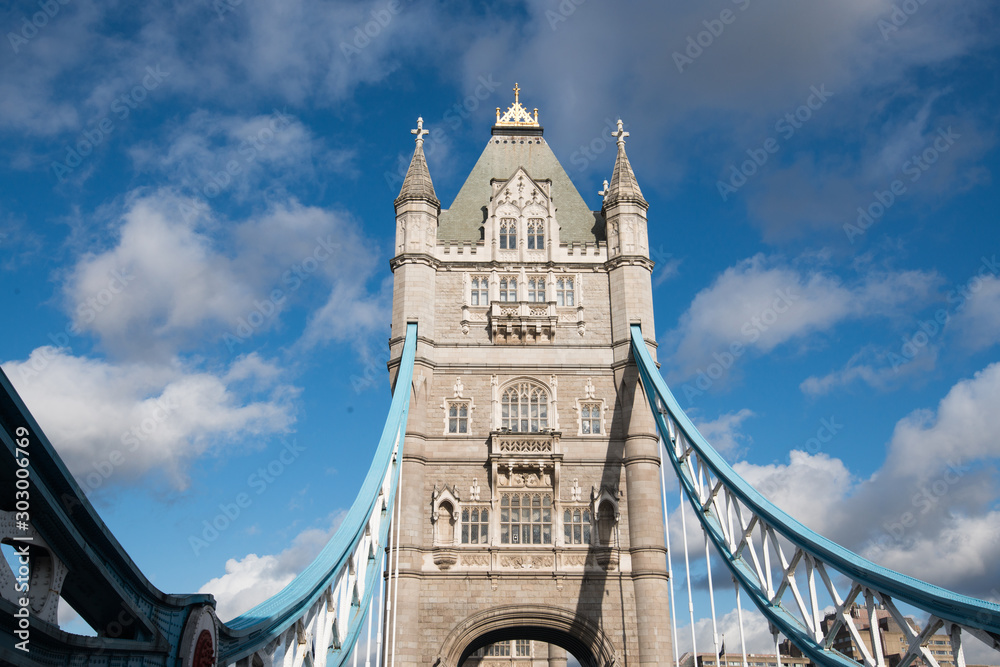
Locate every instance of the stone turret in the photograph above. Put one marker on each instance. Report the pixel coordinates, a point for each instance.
(629, 270)
(417, 212)
(417, 186)
(624, 207)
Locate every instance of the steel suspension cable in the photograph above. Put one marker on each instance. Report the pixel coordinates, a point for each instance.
(395, 588)
(739, 616)
(670, 560)
(687, 569)
(368, 639)
(711, 599)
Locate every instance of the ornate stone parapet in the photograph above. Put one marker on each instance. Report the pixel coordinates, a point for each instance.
(523, 444)
(521, 322)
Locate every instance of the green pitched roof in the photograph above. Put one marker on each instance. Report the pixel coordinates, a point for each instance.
(501, 158)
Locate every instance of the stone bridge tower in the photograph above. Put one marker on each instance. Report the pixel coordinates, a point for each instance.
(531, 510)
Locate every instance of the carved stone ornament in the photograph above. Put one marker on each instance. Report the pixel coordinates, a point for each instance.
(525, 562)
(445, 558)
(475, 560)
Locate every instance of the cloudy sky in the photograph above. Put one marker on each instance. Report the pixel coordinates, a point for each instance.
(196, 221)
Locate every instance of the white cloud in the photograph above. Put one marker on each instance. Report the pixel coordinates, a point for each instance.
(216, 155)
(978, 321)
(963, 429)
(966, 549)
(246, 583)
(807, 487)
(250, 580)
(114, 423)
(762, 303)
(881, 369)
(349, 315)
(175, 279)
(724, 432)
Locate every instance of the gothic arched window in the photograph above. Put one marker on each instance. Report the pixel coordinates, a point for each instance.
(536, 234)
(524, 408)
(508, 233)
(536, 289)
(508, 289)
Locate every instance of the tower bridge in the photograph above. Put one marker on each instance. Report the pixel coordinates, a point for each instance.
(516, 496)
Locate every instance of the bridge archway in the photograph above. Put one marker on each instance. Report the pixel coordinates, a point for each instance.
(553, 625)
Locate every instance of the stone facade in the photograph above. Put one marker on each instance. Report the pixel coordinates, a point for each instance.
(530, 482)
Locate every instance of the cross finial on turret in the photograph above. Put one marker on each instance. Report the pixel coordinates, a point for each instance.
(517, 91)
(621, 133)
(420, 131)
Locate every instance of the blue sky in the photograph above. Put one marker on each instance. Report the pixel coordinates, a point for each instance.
(196, 221)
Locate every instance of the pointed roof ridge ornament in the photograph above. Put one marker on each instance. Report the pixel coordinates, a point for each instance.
(624, 187)
(420, 131)
(621, 133)
(516, 115)
(417, 184)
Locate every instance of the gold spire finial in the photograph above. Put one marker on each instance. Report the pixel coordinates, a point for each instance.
(517, 115)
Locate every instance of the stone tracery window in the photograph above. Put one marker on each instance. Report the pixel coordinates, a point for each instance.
(576, 525)
(458, 416)
(536, 289)
(524, 408)
(590, 418)
(536, 234)
(475, 525)
(508, 233)
(565, 292)
(526, 518)
(508, 289)
(480, 295)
